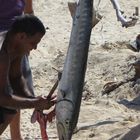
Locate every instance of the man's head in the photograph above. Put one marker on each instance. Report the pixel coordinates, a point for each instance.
(28, 24)
(26, 32)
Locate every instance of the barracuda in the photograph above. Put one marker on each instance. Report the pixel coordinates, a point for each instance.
(72, 80)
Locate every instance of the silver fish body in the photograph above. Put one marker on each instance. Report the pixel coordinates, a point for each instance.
(72, 80)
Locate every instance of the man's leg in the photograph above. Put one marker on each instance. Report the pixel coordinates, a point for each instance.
(15, 124)
(15, 127)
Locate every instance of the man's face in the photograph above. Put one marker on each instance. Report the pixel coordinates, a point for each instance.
(28, 43)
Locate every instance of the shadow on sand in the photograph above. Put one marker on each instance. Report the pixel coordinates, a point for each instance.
(133, 134)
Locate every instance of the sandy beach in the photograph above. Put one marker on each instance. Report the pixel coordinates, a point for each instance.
(107, 117)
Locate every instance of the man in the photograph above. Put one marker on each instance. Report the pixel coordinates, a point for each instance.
(9, 10)
(27, 8)
(22, 37)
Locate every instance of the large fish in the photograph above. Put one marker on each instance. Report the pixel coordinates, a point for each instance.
(72, 80)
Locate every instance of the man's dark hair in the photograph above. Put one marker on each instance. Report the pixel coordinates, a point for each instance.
(29, 24)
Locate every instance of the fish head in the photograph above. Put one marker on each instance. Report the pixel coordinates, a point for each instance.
(65, 119)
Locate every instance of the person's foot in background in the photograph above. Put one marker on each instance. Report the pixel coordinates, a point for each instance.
(135, 45)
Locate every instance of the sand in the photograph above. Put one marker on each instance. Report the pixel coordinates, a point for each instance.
(108, 117)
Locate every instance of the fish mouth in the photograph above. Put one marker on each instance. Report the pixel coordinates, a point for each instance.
(64, 118)
(63, 132)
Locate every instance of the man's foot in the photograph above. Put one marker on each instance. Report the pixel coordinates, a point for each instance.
(135, 45)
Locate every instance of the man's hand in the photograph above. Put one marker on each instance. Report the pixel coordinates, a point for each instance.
(45, 102)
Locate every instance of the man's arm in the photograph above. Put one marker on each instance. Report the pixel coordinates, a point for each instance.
(17, 102)
(11, 81)
(7, 99)
(28, 7)
(17, 81)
